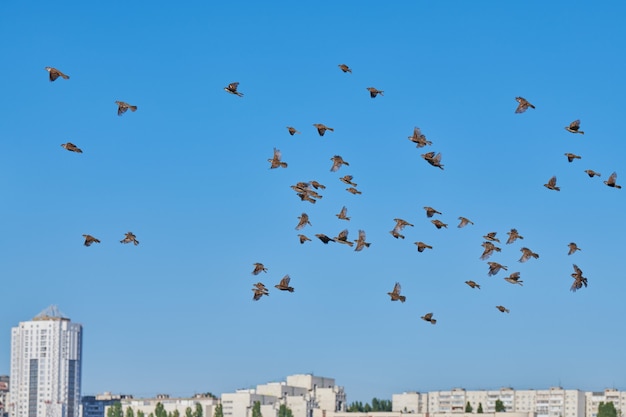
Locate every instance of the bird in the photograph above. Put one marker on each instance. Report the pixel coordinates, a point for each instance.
(429, 317)
(343, 214)
(304, 220)
(571, 156)
(284, 284)
(574, 127)
(303, 239)
(337, 163)
(433, 159)
(419, 139)
(130, 237)
(421, 246)
(494, 268)
(344, 68)
(490, 248)
(122, 106)
(551, 185)
(523, 105)
(89, 240)
(492, 237)
(514, 279)
(396, 234)
(71, 147)
(317, 185)
(513, 236)
(55, 73)
(360, 242)
(275, 161)
(353, 190)
(472, 284)
(258, 268)
(573, 247)
(395, 294)
(374, 92)
(592, 173)
(347, 179)
(431, 211)
(400, 224)
(611, 181)
(232, 89)
(321, 128)
(527, 254)
(464, 222)
(439, 224)
(325, 239)
(292, 130)
(342, 238)
(579, 280)
(502, 309)
(259, 291)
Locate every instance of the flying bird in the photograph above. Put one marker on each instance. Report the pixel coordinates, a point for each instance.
(292, 130)
(374, 92)
(592, 173)
(431, 211)
(89, 240)
(258, 268)
(55, 73)
(551, 185)
(395, 294)
(573, 247)
(611, 181)
(259, 291)
(345, 68)
(325, 239)
(122, 106)
(360, 242)
(513, 236)
(464, 222)
(527, 254)
(494, 268)
(514, 279)
(429, 317)
(439, 224)
(317, 185)
(421, 246)
(571, 156)
(400, 224)
(396, 234)
(502, 309)
(433, 159)
(275, 161)
(232, 89)
(321, 128)
(303, 239)
(304, 220)
(343, 214)
(579, 280)
(419, 139)
(574, 127)
(492, 237)
(490, 248)
(130, 237)
(353, 190)
(342, 238)
(523, 105)
(71, 147)
(472, 284)
(337, 163)
(347, 179)
(284, 284)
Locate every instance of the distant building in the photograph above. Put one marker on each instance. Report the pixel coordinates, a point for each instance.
(95, 405)
(4, 395)
(46, 355)
(148, 405)
(593, 400)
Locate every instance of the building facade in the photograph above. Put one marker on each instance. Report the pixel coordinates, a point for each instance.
(46, 359)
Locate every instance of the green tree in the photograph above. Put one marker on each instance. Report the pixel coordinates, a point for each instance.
(188, 412)
(284, 411)
(500, 408)
(176, 413)
(115, 410)
(219, 411)
(256, 409)
(606, 410)
(159, 410)
(198, 411)
(130, 412)
(140, 413)
(468, 407)
(480, 408)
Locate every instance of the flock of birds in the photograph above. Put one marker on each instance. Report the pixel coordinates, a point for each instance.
(309, 191)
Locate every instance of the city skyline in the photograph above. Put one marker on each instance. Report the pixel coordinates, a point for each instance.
(188, 174)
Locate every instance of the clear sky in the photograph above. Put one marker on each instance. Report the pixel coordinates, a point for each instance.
(188, 174)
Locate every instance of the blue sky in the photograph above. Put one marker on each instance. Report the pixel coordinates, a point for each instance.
(188, 174)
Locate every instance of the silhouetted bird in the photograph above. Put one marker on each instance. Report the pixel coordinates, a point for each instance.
(429, 317)
(71, 147)
(523, 105)
(514, 279)
(419, 139)
(304, 220)
(130, 237)
(574, 127)
(551, 185)
(321, 129)
(89, 240)
(592, 173)
(337, 163)
(55, 73)
(502, 309)
(571, 156)
(421, 246)
(527, 254)
(360, 242)
(472, 284)
(464, 222)
(611, 181)
(258, 268)
(513, 236)
(374, 92)
(494, 268)
(232, 89)
(344, 68)
(395, 294)
(122, 106)
(292, 130)
(573, 247)
(275, 161)
(284, 284)
(431, 211)
(343, 214)
(325, 239)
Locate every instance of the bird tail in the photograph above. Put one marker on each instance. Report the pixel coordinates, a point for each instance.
(133, 108)
(330, 128)
(402, 298)
(433, 321)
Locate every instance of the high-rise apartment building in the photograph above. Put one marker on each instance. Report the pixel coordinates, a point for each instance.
(46, 355)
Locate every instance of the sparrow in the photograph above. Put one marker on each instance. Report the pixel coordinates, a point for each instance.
(342, 238)
(343, 214)
(490, 248)
(259, 291)
(396, 234)
(292, 130)
(527, 254)
(494, 268)
(89, 240)
(344, 68)
(571, 156)
(574, 127)
(55, 73)
(579, 280)
(514, 279)
(360, 242)
(130, 237)
(258, 268)
(400, 224)
(232, 89)
(592, 173)
(325, 239)
(431, 211)
(353, 190)
(472, 284)
(321, 129)
(439, 224)
(573, 247)
(421, 246)
(611, 181)
(347, 179)
(513, 236)
(317, 185)
(374, 92)
(502, 309)
(395, 294)
(419, 139)
(429, 317)
(122, 106)
(275, 161)
(551, 185)
(337, 163)
(304, 220)
(492, 237)
(464, 222)
(303, 239)
(433, 159)
(284, 284)
(71, 147)
(523, 105)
